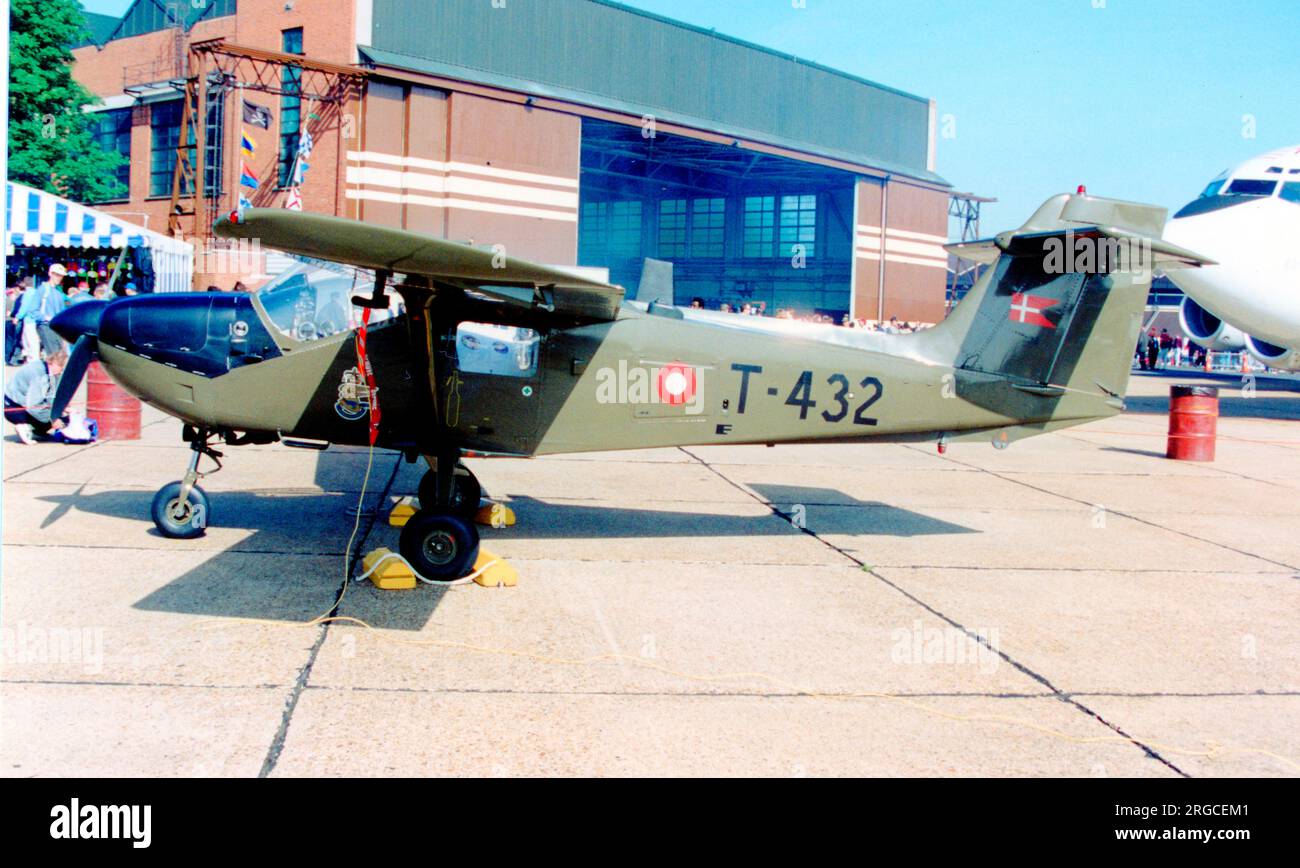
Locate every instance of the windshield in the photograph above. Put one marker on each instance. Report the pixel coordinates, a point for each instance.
(1251, 187)
(308, 302)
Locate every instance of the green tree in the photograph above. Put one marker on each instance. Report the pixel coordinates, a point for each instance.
(51, 145)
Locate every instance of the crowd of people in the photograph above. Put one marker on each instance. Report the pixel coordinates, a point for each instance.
(39, 353)
(892, 326)
(1163, 350)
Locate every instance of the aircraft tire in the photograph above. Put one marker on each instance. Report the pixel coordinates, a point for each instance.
(465, 494)
(176, 522)
(440, 546)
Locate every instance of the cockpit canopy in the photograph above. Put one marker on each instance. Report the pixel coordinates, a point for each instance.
(309, 302)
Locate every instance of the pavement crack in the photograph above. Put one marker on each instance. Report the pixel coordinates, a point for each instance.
(1120, 513)
(322, 632)
(975, 636)
(64, 457)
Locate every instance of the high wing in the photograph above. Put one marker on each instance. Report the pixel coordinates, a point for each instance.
(381, 248)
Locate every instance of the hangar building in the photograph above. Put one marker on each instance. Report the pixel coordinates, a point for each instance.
(577, 132)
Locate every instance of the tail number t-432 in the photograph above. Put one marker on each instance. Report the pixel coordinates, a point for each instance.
(801, 395)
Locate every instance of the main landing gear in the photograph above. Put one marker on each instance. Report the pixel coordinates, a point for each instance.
(440, 541)
(180, 509)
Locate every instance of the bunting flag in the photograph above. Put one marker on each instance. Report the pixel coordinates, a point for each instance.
(293, 201)
(247, 177)
(244, 202)
(248, 147)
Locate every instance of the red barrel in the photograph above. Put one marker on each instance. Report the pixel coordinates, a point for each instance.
(1193, 423)
(112, 407)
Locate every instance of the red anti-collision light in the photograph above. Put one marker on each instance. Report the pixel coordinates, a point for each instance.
(1083, 190)
(234, 216)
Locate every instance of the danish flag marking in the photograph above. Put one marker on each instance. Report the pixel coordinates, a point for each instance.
(1028, 309)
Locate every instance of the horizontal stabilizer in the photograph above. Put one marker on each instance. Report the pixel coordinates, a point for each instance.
(1139, 226)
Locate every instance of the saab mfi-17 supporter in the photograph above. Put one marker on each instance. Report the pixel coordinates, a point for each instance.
(498, 356)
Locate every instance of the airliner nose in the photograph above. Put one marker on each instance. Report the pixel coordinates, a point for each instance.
(79, 319)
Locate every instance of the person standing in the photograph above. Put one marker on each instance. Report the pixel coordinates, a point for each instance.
(29, 394)
(40, 305)
(1153, 350)
(1166, 349)
(13, 330)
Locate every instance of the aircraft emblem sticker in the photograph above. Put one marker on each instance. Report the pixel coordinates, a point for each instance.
(676, 384)
(354, 397)
(1028, 309)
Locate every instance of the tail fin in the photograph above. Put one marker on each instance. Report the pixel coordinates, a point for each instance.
(1061, 307)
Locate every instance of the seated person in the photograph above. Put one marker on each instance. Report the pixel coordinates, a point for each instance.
(29, 394)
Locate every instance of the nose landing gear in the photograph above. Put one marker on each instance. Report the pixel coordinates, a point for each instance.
(180, 509)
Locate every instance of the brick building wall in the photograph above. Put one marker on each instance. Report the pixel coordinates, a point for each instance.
(328, 35)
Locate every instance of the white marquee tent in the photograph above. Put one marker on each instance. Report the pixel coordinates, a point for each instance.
(34, 218)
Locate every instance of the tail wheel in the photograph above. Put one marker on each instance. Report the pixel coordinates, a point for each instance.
(180, 519)
(465, 492)
(441, 546)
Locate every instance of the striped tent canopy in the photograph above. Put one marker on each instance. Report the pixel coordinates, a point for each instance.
(34, 218)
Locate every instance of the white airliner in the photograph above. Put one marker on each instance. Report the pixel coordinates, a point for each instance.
(1248, 221)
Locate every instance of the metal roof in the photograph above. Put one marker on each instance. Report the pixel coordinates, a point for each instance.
(607, 55)
(98, 29)
(148, 16)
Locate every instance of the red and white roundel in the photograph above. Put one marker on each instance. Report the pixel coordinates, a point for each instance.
(676, 384)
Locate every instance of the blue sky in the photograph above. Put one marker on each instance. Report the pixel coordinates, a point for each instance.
(1138, 99)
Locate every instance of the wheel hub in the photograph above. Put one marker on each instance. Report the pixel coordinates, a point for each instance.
(440, 547)
(179, 510)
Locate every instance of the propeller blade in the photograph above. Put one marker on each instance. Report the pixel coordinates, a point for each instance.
(78, 360)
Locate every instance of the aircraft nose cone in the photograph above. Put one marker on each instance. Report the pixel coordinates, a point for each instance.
(79, 319)
(1200, 236)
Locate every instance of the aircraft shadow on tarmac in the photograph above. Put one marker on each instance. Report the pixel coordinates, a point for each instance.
(307, 553)
(820, 510)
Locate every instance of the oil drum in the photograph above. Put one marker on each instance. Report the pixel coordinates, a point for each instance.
(1193, 423)
(115, 410)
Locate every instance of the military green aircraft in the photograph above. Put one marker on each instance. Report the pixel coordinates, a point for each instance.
(491, 355)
